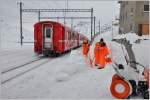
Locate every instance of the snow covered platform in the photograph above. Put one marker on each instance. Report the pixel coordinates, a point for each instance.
(64, 77)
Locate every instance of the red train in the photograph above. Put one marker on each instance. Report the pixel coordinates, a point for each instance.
(53, 38)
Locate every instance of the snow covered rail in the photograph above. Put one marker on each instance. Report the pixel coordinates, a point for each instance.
(22, 69)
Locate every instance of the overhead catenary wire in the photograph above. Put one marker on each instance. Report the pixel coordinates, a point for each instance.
(66, 10)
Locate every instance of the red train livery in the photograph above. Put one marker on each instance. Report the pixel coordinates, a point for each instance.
(53, 38)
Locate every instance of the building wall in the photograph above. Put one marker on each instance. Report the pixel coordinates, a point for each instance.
(126, 16)
(131, 15)
(141, 17)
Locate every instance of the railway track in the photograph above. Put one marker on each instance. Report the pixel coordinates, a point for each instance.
(16, 57)
(22, 69)
(22, 65)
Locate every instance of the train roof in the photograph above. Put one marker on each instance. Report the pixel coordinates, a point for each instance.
(41, 22)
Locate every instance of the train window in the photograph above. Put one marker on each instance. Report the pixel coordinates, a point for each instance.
(48, 32)
(66, 35)
(69, 35)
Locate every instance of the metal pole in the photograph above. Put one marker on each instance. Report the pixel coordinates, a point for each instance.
(21, 37)
(0, 35)
(91, 22)
(57, 19)
(99, 28)
(39, 15)
(112, 30)
(64, 17)
(71, 22)
(71, 27)
(94, 24)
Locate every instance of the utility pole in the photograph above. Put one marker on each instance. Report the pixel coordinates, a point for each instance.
(64, 14)
(91, 22)
(94, 24)
(71, 22)
(39, 15)
(112, 30)
(57, 19)
(99, 28)
(21, 37)
(71, 27)
(0, 34)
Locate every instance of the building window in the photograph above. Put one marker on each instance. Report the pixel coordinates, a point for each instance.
(146, 7)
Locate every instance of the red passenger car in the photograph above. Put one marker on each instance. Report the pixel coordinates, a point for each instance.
(53, 38)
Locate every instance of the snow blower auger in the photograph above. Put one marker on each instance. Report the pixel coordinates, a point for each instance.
(131, 79)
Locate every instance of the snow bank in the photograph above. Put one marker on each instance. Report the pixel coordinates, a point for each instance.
(132, 37)
(139, 46)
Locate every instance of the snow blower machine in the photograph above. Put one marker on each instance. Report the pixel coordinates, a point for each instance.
(131, 79)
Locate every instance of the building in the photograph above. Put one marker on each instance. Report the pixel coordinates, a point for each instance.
(134, 17)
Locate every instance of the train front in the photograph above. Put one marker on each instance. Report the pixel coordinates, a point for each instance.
(43, 38)
(47, 39)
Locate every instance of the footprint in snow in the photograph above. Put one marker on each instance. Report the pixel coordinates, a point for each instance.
(60, 77)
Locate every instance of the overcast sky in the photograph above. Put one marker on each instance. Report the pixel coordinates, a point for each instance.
(105, 11)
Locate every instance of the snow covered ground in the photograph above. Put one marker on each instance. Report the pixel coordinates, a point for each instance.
(64, 77)
(68, 76)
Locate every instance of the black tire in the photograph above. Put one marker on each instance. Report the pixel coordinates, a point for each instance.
(146, 95)
(46, 55)
(134, 87)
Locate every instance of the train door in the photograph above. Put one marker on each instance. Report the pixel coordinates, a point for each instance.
(47, 36)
